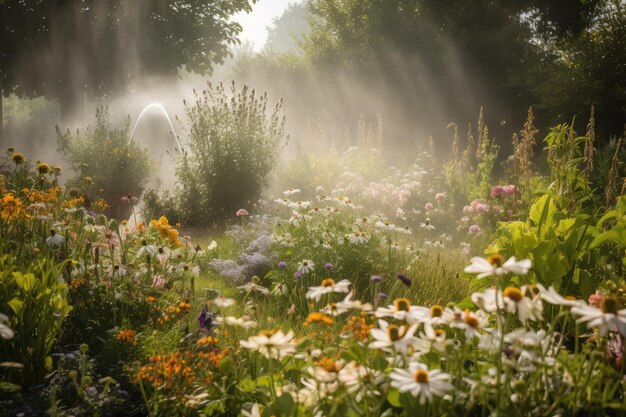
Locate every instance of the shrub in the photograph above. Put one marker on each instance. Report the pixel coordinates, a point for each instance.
(233, 146)
(107, 166)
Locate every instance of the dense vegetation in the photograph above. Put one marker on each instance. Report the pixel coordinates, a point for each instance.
(371, 275)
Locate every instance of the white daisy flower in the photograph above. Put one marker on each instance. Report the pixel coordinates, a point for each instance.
(495, 265)
(212, 245)
(240, 322)
(426, 225)
(276, 346)
(328, 286)
(401, 309)
(421, 382)
(251, 286)
(334, 309)
(551, 296)
(350, 304)
(223, 302)
(390, 337)
(512, 300)
(609, 317)
(292, 191)
(306, 266)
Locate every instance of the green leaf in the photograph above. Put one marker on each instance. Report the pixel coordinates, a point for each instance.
(16, 305)
(379, 363)
(25, 282)
(394, 398)
(247, 385)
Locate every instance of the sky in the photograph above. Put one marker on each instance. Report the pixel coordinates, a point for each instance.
(255, 24)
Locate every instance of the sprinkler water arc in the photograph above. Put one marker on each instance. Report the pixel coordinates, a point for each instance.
(157, 106)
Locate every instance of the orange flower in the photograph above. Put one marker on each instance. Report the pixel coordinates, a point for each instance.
(317, 317)
(127, 335)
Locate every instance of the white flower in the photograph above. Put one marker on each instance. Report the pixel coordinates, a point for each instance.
(224, 302)
(358, 238)
(551, 296)
(55, 240)
(5, 331)
(401, 309)
(512, 300)
(334, 309)
(426, 225)
(472, 322)
(421, 382)
(292, 191)
(240, 322)
(254, 411)
(306, 266)
(146, 250)
(495, 264)
(251, 286)
(349, 304)
(276, 346)
(607, 318)
(328, 286)
(391, 337)
(212, 245)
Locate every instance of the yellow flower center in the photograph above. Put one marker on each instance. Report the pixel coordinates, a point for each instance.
(495, 259)
(328, 282)
(470, 320)
(394, 332)
(513, 294)
(421, 376)
(610, 305)
(436, 311)
(402, 304)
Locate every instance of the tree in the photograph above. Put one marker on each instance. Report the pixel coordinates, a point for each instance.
(456, 55)
(288, 29)
(67, 49)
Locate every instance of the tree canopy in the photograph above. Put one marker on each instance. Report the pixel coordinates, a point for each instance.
(68, 49)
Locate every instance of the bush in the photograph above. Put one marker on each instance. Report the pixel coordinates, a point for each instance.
(233, 146)
(107, 166)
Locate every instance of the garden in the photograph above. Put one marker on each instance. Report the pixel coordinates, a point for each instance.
(471, 276)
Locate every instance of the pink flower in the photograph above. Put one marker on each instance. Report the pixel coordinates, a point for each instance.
(596, 299)
(497, 209)
(475, 229)
(474, 203)
(242, 212)
(428, 206)
(440, 197)
(468, 209)
(496, 191)
(482, 208)
(158, 281)
(508, 189)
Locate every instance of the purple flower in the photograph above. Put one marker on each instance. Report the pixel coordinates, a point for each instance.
(377, 278)
(282, 264)
(382, 295)
(328, 265)
(205, 319)
(405, 280)
(297, 275)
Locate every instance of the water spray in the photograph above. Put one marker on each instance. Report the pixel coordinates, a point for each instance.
(167, 116)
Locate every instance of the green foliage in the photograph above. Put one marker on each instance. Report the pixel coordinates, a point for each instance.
(99, 45)
(233, 144)
(35, 299)
(558, 244)
(107, 166)
(565, 158)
